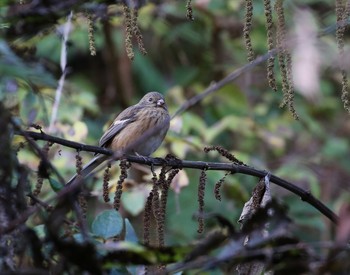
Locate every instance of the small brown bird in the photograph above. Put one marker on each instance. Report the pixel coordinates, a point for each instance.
(139, 129)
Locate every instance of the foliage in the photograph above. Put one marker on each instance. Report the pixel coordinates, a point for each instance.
(184, 57)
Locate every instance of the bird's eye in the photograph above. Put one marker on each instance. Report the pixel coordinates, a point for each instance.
(150, 99)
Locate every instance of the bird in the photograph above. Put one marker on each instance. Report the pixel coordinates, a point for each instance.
(138, 130)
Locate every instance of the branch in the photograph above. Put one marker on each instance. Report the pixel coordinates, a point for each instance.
(36, 148)
(65, 33)
(200, 165)
(226, 80)
(215, 86)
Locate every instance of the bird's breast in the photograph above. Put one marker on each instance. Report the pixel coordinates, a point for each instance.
(145, 134)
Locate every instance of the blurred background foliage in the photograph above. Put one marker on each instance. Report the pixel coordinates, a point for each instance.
(183, 58)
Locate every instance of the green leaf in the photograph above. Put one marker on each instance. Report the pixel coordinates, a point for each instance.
(134, 202)
(295, 172)
(193, 122)
(29, 108)
(336, 148)
(148, 74)
(13, 66)
(107, 224)
(40, 231)
(130, 234)
(183, 76)
(55, 185)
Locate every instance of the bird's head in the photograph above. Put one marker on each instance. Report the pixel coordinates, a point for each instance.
(153, 99)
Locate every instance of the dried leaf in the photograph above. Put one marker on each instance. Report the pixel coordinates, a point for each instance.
(306, 56)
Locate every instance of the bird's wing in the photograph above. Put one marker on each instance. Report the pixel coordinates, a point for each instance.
(123, 119)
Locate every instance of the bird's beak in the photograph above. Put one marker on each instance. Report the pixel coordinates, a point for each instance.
(160, 102)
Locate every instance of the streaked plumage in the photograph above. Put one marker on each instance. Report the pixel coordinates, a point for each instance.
(139, 129)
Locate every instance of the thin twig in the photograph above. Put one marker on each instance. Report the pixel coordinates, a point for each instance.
(67, 191)
(247, 255)
(217, 85)
(36, 149)
(247, 67)
(63, 63)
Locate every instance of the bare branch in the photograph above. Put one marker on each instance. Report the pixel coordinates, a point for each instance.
(246, 68)
(65, 33)
(217, 85)
(36, 149)
(175, 163)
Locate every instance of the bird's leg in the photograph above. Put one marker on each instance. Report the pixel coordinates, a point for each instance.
(171, 158)
(145, 159)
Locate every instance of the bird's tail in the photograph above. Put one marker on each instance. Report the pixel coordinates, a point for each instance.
(89, 167)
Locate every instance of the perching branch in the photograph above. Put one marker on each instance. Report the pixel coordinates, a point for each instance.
(200, 165)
